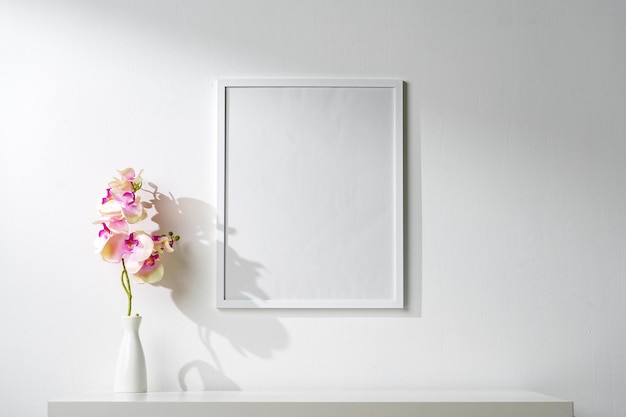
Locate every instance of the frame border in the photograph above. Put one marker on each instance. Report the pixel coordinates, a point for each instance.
(222, 193)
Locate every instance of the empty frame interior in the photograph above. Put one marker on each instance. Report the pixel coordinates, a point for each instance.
(310, 194)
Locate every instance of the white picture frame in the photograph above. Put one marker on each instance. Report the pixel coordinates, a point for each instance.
(310, 193)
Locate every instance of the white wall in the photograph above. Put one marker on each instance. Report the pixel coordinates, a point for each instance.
(516, 234)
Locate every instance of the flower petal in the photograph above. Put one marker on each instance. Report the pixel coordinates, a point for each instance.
(111, 208)
(127, 174)
(142, 250)
(150, 272)
(118, 225)
(114, 248)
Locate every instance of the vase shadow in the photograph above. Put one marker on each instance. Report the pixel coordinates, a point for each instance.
(190, 277)
(211, 378)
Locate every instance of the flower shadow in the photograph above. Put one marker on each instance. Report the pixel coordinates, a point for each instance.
(192, 288)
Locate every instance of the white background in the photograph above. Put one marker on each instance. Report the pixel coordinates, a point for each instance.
(516, 211)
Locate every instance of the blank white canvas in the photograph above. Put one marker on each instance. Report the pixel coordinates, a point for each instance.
(310, 194)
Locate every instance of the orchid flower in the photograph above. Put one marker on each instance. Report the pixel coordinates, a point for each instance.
(128, 174)
(120, 203)
(118, 241)
(103, 237)
(151, 270)
(163, 243)
(134, 248)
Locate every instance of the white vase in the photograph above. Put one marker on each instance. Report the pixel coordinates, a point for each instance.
(130, 372)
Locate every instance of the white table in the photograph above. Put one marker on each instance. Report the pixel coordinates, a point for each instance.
(427, 403)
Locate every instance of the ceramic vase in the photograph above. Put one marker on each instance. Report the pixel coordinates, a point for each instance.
(130, 371)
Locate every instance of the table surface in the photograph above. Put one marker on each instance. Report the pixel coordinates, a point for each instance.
(431, 403)
(320, 396)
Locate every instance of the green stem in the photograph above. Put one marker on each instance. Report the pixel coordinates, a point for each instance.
(126, 284)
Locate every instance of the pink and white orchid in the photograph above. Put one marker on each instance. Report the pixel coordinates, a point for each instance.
(133, 248)
(128, 182)
(122, 204)
(118, 241)
(151, 270)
